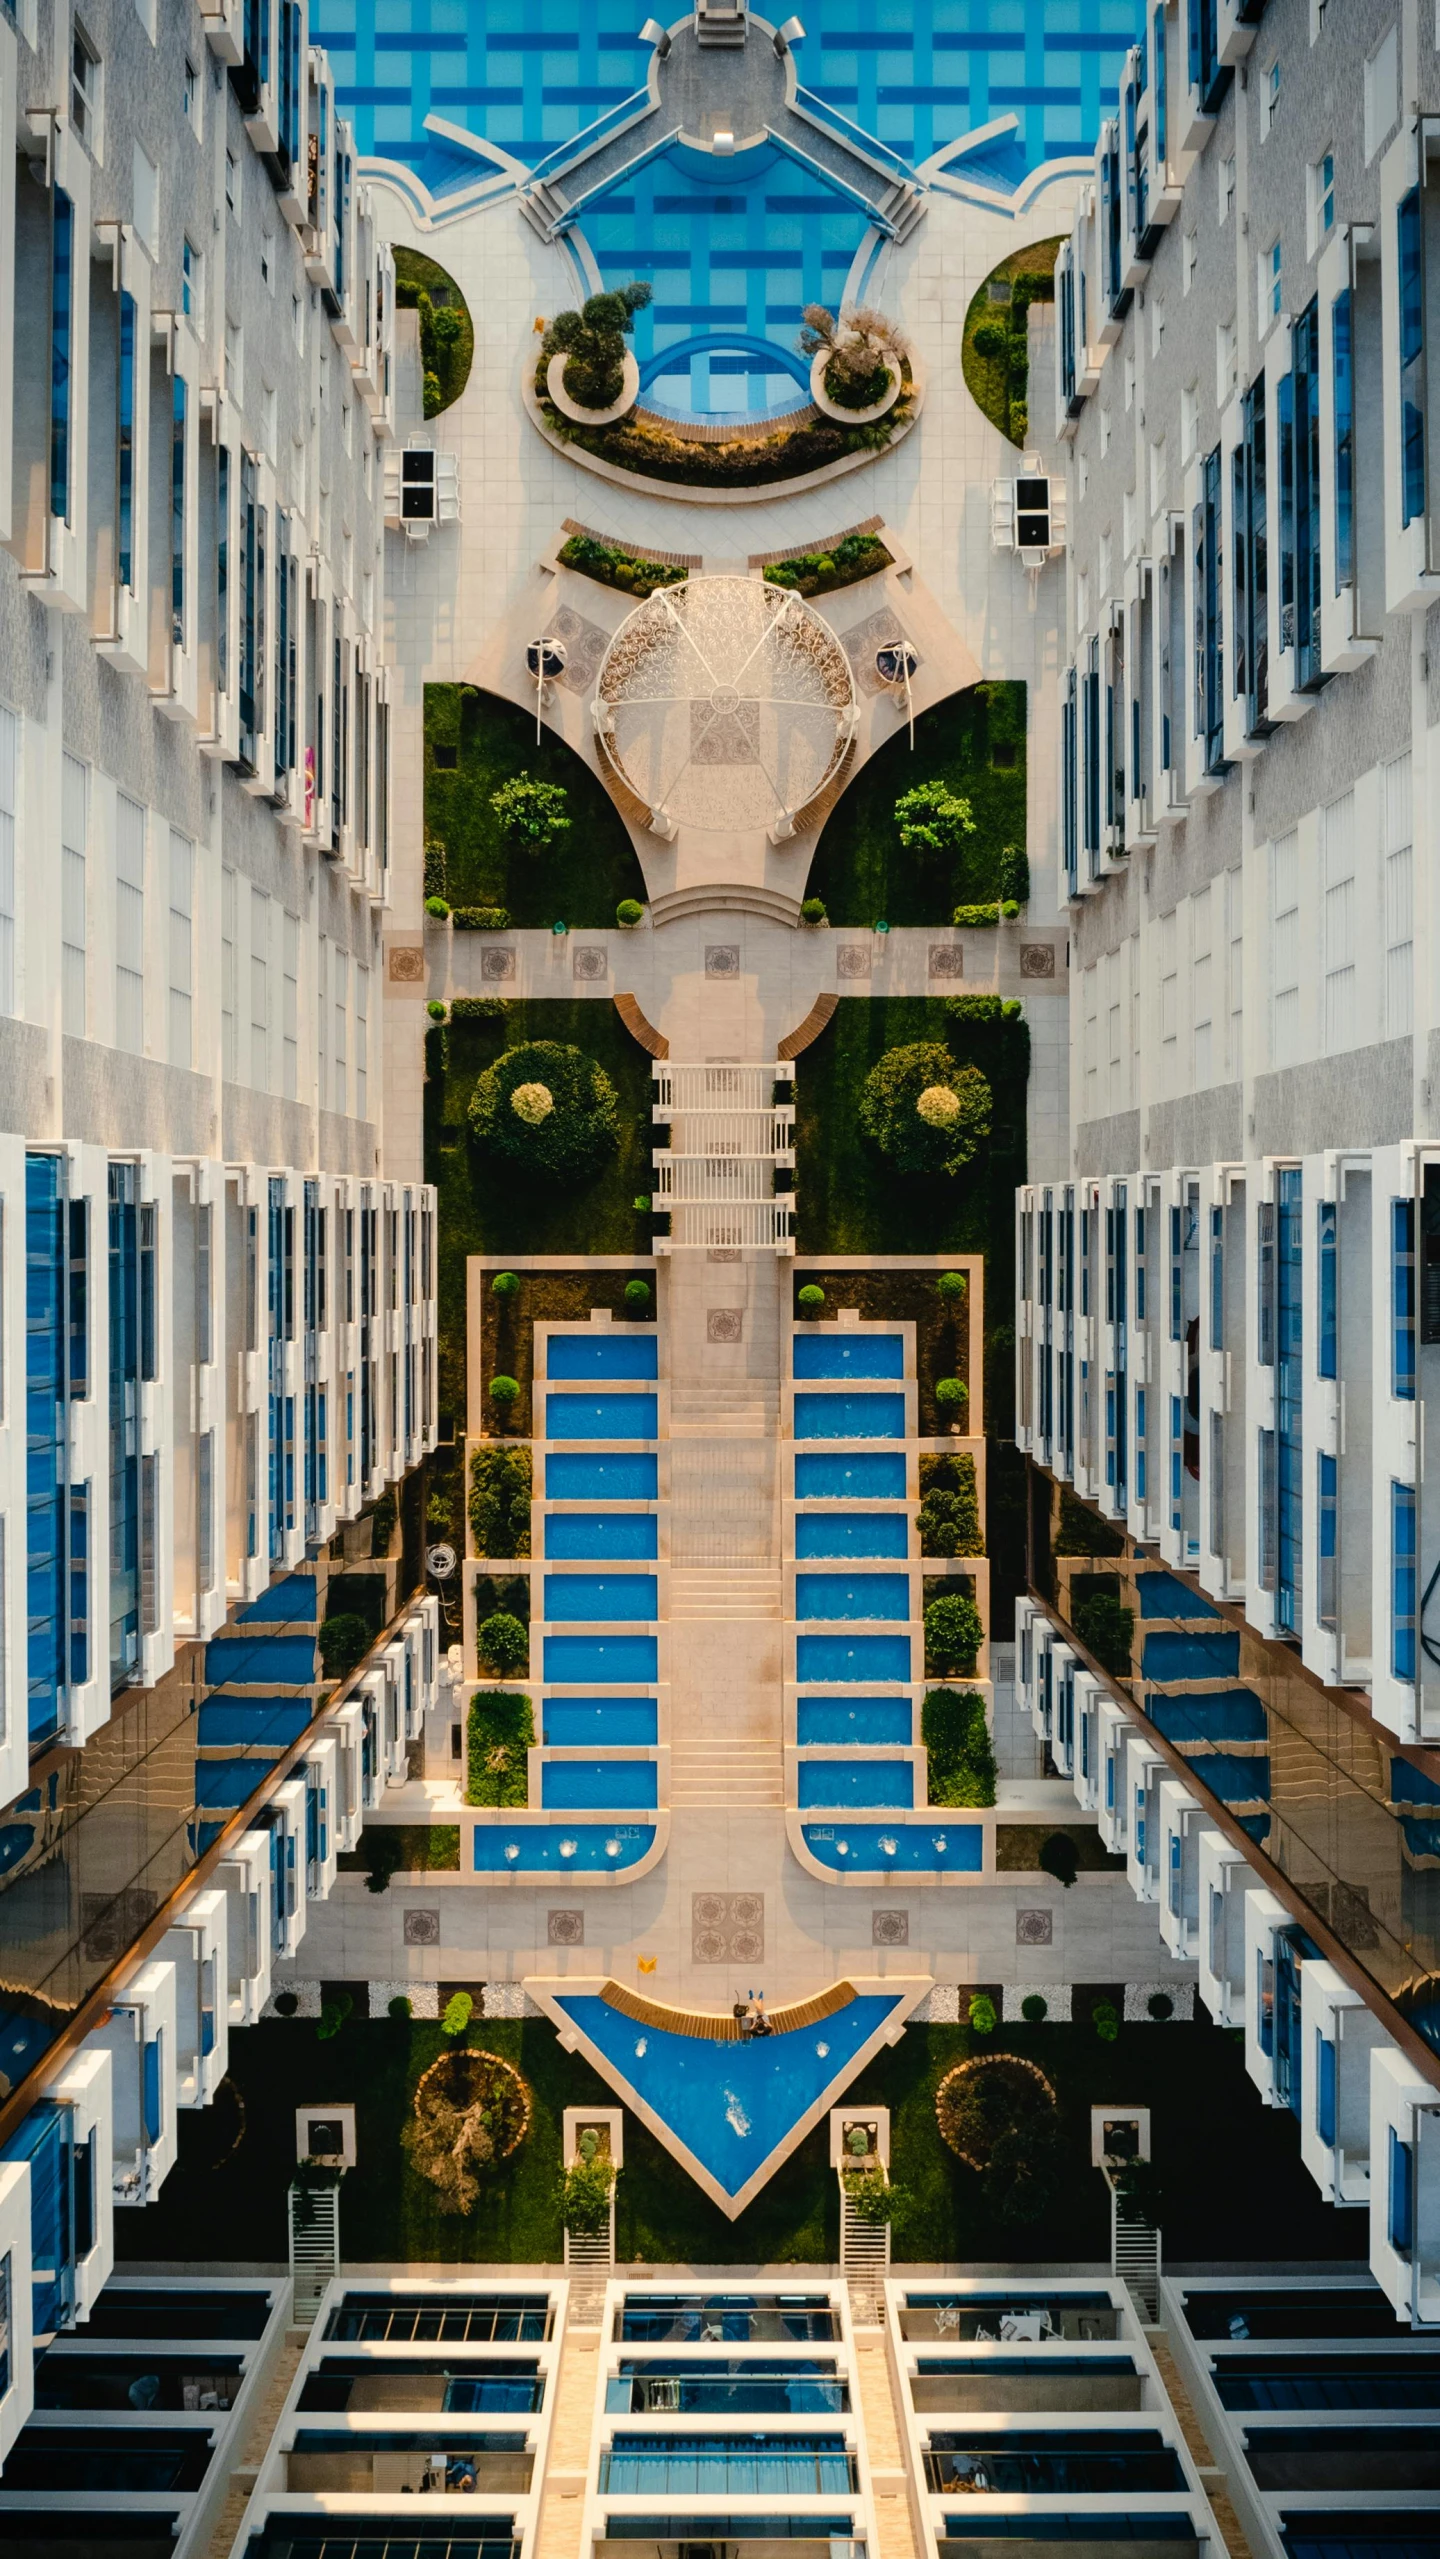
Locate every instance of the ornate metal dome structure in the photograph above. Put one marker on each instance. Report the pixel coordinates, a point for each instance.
(725, 704)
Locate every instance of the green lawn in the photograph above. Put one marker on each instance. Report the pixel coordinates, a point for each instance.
(1231, 2165)
(862, 871)
(585, 872)
(486, 1209)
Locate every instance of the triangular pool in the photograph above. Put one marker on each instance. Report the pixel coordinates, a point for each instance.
(729, 2110)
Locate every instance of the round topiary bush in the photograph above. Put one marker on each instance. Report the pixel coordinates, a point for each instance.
(952, 1397)
(982, 2013)
(951, 1286)
(399, 2007)
(503, 1644)
(982, 2100)
(438, 908)
(811, 1299)
(1034, 2008)
(813, 911)
(1105, 2018)
(505, 1284)
(471, 2110)
(577, 1123)
(629, 913)
(637, 1295)
(504, 1391)
(1160, 2005)
(435, 1009)
(923, 1112)
(286, 2003)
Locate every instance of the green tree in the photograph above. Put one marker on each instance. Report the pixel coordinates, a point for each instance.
(581, 1123)
(954, 1632)
(925, 1113)
(933, 819)
(592, 340)
(459, 2009)
(531, 813)
(585, 2197)
(503, 1644)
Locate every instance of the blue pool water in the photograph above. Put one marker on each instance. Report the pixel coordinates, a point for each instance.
(840, 1533)
(607, 1535)
(861, 1782)
(836, 1354)
(600, 1416)
(915, 1847)
(861, 1475)
(572, 1475)
(832, 1659)
(867, 1720)
(850, 1416)
(729, 2105)
(539, 1848)
(852, 1595)
(587, 1598)
(584, 1785)
(573, 1723)
(573, 1660)
(600, 1353)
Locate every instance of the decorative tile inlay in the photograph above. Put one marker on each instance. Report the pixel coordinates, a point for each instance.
(1034, 1927)
(497, 959)
(422, 1927)
(852, 959)
(585, 646)
(722, 959)
(947, 959)
(1037, 959)
(889, 1927)
(565, 1927)
(724, 1253)
(727, 1928)
(407, 965)
(724, 1323)
(589, 960)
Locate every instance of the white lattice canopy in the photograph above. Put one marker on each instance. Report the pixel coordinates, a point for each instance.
(726, 703)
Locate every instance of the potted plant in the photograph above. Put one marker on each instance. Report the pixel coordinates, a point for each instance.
(588, 372)
(856, 362)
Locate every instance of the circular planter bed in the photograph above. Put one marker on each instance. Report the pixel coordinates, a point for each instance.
(982, 2100)
(573, 409)
(836, 409)
(470, 2111)
(779, 458)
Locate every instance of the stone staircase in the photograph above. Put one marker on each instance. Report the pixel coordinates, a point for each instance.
(707, 1412)
(724, 1590)
(731, 1776)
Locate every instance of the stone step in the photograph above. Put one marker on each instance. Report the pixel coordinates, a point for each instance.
(725, 1590)
(745, 1774)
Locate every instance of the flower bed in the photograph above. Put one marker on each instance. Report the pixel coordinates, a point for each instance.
(657, 448)
(609, 565)
(858, 555)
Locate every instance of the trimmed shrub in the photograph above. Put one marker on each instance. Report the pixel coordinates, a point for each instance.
(1060, 1857)
(871, 2196)
(478, 1008)
(952, 1398)
(982, 2013)
(637, 1295)
(642, 1203)
(1105, 2018)
(1107, 1630)
(504, 1391)
(503, 1644)
(531, 813)
(1160, 2005)
(459, 2009)
(811, 1298)
(610, 565)
(1015, 876)
(437, 863)
(954, 1633)
(286, 2003)
(505, 1284)
(500, 1729)
(344, 1642)
(582, 1125)
(629, 912)
(949, 1514)
(933, 819)
(592, 341)
(480, 919)
(585, 2197)
(812, 911)
(500, 1488)
(960, 1753)
(399, 2007)
(435, 1009)
(954, 1288)
(333, 2015)
(437, 907)
(859, 555)
(1034, 2008)
(889, 1109)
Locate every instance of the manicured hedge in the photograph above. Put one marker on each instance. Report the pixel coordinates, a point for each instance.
(961, 1754)
(500, 1730)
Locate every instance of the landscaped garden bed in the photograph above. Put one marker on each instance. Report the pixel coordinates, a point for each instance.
(447, 333)
(854, 556)
(1192, 2077)
(995, 348)
(476, 745)
(656, 449)
(609, 564)
(550, 1297)
(489, 1207)
(973, 746)
(942, 1325)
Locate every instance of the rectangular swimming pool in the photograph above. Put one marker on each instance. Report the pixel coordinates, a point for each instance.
(841, 1533)
(587, 1598)
(860, 1475)
(852, 1595)
(614, 1475)
(861, 1782)
(944, 1846)
(585, 1785)
(836, 1354)
(877, 1416)
(600, 1353)
(600, 1416)
(576, 1660)
(862, 1721)
(602, 1723)
(832, 1660)
(531, 1848)
(606, 1535)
